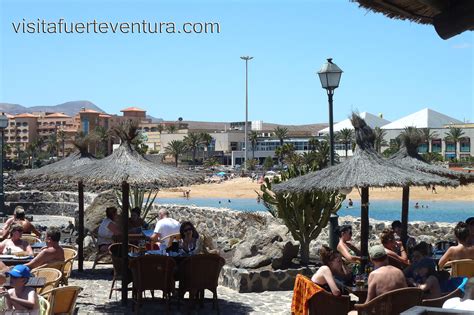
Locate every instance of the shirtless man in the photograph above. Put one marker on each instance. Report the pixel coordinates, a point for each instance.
(21, 297)
(384, 278)
(394, 249)
(464, 250)
(52, 252)
(19, 218)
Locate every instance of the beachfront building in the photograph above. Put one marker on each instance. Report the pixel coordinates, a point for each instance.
(439, 125)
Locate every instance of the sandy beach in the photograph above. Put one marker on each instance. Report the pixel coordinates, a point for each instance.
(245, 188)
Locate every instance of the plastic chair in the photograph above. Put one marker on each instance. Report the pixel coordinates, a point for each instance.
(62, 300)
(461, 267)
(152, 272)
(391, 303)
(52, 276)
(198, 273)
(45, 307)
(69, 255)
(31, 239)
(115, 251)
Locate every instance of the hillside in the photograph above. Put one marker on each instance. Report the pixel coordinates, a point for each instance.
(68, 108)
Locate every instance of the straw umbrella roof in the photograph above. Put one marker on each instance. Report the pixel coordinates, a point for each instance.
(367, 168)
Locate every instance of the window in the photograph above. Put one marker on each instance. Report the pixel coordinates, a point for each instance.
(465, 144)
(450, 146)
(436, 145)
(423, 148)
(85, 125)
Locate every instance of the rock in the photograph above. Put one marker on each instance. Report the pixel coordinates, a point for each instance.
(95, 213)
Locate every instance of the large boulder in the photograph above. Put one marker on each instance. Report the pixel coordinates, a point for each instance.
(272, 246)
(95, 213)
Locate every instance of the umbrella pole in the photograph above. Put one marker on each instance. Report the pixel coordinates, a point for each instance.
(364, 226)
(405, 201)
(80, 241)
(125, 205)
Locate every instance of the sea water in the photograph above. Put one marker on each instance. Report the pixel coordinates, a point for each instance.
(387, 210)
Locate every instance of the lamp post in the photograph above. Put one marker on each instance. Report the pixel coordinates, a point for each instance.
(330, 75)
(246, 58)
(3, 125)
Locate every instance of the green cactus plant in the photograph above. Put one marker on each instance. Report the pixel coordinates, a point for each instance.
(137, 199)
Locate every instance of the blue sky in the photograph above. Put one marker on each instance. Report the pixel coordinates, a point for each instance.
(390, 66)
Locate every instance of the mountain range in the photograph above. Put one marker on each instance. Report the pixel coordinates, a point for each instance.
(68, 108)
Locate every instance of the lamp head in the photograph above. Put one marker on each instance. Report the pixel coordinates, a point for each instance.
(330, 75)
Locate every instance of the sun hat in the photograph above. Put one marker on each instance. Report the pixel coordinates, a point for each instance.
(377, 251)
(19, 271)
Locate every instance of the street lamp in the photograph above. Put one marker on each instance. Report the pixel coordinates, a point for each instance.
(246, 58)
(3, 125)
(330, 75)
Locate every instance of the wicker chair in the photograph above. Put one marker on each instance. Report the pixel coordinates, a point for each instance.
(62, 300)
(391, 303)
(325, 303)
(115, 251)
(170, 238)
(30, 238)
(152, 272)
(438, 302)
(69, 256)
(59, 265)
(461, 268)
(198, 273)
(52, 276)
(45, 307)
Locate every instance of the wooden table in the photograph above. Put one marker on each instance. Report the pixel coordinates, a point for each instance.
(14, 262)
(360, 292)
(34, 282)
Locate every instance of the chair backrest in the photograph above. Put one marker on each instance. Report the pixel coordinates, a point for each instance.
(115, 251)
(153, 272)
(396, 263)
(69, 253)
(325, 303)
(52, 276)
(31, 239)
(170, 238)
(200, 271)
(59, 265)
(462, 268)
(391, 303)
(45, 307)
(62, 300)
(438, 302)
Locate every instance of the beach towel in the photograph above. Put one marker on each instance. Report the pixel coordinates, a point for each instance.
(303, 291)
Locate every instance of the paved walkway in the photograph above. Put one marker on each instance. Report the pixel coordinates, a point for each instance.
(96, 283)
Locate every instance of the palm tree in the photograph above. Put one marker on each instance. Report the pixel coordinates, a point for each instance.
(346, 136)
(281, 133)
(101, 137)
(253, 137)
(52, 145)
(206, 140)
(160, 128)
(428, 136)
(313, 143)
(192, 141)
(62, 136)
(455, 135)
(171, 128)
(175, 148)
(379, 139)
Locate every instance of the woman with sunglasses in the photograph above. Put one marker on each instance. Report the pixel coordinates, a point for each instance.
(15, 244)
(190, 241)
(345, 247)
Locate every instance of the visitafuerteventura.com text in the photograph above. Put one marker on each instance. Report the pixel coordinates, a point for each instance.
(61, 26)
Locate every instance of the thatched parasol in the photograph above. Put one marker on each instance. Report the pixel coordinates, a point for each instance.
(408, 157)
(365, 169)
(449, 17)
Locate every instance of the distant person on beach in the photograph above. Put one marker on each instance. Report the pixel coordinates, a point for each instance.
(108, 229)
(463, 250)
(384, 278)
(345, 247)
(164, 227)
(19, 217)
(51, 253)
(470, 224)
(417, 205)
(433, 189)
(466, 303)
(332, 274)
(393, 248)
(350, 203)
(15, 244)
(397, 229)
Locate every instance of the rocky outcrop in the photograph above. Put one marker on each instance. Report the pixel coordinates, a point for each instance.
(95, 213)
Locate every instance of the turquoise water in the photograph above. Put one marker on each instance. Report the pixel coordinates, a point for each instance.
(440, 211)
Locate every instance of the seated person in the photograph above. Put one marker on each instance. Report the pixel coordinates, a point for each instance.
(345, 247)
(397, 230)
(466, 303)
(108, 229)
(51, 253)
(384, 278)
(470, 224)
(393, 249)
(327, 275)
(19, 218)
(461, 251)
(165, 226)
(192, 243)
(20, 297)
(15, 244)
(136, 223)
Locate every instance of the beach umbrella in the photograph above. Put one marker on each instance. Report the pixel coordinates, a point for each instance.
(367, 168)
(221, 174)
(407, 157)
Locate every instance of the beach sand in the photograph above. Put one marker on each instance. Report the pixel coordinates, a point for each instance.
(245, 188)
